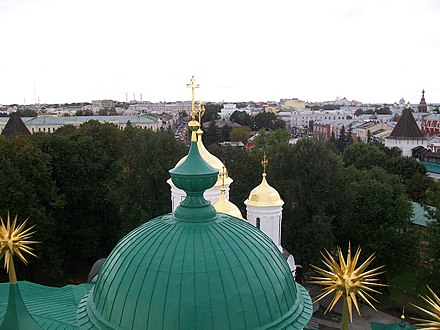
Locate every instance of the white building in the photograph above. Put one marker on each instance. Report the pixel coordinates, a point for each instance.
(406, 135)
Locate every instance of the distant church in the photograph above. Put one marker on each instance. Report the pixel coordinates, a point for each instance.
(407, 134)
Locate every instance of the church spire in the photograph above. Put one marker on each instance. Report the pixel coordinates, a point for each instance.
(422, 105)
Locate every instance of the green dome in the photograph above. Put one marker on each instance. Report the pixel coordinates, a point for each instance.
(222, 274)
(195, 269)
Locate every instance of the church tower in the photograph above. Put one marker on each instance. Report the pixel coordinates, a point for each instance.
(422, 105)
(265, 209)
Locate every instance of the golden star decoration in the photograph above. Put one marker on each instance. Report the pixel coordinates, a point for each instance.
(14, 240)
(347, 281)
(433, 310)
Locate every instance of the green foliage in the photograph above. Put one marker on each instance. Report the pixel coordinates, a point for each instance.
(307, 174)
(384, 111)
(376, 215)
(242, 118)
(268, 120)
(359, 112)
(364, 155)
(28, 189)
(240, 134)
(212, 110)
(225, 132)
(212, 134)
(269, 140)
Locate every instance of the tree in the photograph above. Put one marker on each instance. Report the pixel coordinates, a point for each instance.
(268, 120)
(359, 112)
(364, 155)
(242, 118)
(212, 110)
(268, 140)
(212, 134)
(307, 175)
(140, 186)
(28, 189)
(225, 131)
(384, 111)
(84, 163)
(377, 214)
(240, 134)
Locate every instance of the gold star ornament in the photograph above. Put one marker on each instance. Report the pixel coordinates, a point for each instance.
(433, 310)
(15, 240)
(346, 280)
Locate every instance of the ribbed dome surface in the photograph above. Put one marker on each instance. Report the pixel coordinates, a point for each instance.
(225, 206)
(220, 274)
(264, 195)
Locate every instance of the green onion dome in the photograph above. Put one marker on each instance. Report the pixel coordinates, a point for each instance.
(195, 269)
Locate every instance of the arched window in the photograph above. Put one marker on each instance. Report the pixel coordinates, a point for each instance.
(258, 223)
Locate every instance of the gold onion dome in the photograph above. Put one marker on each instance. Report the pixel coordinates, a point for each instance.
(222, 204)
(264, 194)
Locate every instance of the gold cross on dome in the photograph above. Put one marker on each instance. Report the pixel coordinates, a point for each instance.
(193, 86)
(264, 163)
(201, 111)
(223, 175)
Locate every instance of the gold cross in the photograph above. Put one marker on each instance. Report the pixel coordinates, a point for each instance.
(264, 163)
(223, 175)
(193, 86)
(201, 111)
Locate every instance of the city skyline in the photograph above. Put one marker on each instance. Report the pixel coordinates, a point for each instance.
(369, 51)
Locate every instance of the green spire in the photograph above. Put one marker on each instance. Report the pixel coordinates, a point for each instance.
(17, 316)
(194, 176)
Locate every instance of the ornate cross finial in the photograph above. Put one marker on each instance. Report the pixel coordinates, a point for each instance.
(223, 175)
(201, 111)
(193, 86)
(264, 163)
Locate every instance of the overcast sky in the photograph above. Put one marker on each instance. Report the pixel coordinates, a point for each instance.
(238, 50)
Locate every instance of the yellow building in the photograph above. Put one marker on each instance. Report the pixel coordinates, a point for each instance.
(294, 104)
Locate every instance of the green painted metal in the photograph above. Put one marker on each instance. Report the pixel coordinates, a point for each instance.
(50, 307)
(195, 269)
(222, 274)
(17, 316)
(194, 176)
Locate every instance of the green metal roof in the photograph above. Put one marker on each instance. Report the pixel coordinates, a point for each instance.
(195, 269)
(52, 308)
(432, 167)
(420, 215)
(222, 274)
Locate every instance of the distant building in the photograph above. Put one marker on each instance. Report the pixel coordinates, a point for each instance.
(101, 104)
(378, 131)
(422, 105)
(406, 135)
(15, 126)
(51, 124)
(293, 104)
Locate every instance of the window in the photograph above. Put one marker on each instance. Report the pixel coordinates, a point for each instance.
(258, 223)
